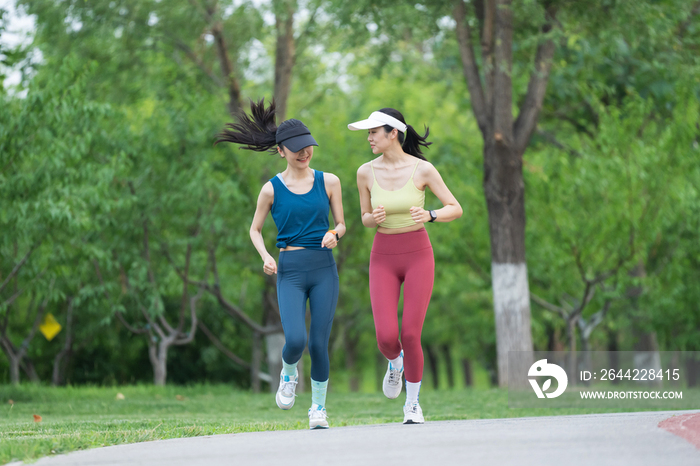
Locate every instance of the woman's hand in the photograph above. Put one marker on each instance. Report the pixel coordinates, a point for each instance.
(329, 240)
(420, 215)
(379, 214)
(270, 266)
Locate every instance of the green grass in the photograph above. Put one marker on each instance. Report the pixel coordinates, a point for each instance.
(76, 418)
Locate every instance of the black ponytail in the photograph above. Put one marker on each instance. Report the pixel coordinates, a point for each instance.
(255, 132)
(412, 142)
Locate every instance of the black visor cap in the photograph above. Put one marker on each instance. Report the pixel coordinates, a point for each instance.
(294, 135)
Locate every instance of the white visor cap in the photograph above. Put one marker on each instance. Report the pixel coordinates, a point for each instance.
(375, 120)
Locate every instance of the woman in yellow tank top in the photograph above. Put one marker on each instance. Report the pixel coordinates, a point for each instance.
(392, 199)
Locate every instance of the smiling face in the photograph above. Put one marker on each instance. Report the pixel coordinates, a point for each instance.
(299, 159)
(380, 140)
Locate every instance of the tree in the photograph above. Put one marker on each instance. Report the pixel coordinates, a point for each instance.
(505, 142)
(50, 178)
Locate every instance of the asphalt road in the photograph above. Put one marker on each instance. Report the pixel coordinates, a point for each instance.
(600, 439)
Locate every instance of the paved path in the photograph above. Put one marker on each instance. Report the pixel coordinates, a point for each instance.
(600, 439)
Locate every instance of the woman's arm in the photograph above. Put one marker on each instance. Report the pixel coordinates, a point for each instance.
(335, 194)
(370, 218)
(451, 209)
(265, 199)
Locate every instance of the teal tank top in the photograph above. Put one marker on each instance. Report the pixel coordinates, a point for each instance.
(301, 219)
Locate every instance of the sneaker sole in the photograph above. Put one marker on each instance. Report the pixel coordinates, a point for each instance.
(281, 405)
(318, 426)
(391, 397)
(410, 421)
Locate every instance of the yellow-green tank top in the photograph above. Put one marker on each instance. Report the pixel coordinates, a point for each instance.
(397, 204)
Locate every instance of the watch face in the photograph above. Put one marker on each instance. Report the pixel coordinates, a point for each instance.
(433, 215)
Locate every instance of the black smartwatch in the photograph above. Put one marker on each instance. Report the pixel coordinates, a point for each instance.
(433, 215)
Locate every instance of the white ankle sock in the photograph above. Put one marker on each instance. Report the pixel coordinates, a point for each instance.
(397, 363)
(412, 392)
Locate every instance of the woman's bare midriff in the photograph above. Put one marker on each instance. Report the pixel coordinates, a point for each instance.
(396, 231)
(292, 248)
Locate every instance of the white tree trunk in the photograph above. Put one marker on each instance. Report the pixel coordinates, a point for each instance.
(511, 300)
(274, 344)
(14, 370)
(159, 360)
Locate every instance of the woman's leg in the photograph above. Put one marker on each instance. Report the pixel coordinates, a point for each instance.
(418, 287)
(291, 298)
(323, 298)
(384, 291)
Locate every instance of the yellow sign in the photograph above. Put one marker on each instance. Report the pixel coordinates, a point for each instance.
(50, 327)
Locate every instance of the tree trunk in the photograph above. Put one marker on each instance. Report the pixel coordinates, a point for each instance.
(586, 352)
(571, 334)
(433, 360)
(18, 360)
(274, 342)
(14, 369)
(646, 347)
(467, 368)
(512, 310)
(158, 354)
(448, 366)
(59, 366)
(505, 142)
(30, 371)
(255, 363)
(505, 200)
(284, 55)
(693, 369)
(60, 363)
(647, 355)
(380, 370)
(613, 356)
(351, 343)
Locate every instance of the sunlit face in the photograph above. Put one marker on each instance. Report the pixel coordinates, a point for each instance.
(379, 140)
(299, 159)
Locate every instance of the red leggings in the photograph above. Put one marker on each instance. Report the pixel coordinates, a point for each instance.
(402, 258)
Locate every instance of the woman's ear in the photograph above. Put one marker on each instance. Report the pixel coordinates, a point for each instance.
(280, 150)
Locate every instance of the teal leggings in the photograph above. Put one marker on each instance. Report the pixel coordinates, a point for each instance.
(307, 275)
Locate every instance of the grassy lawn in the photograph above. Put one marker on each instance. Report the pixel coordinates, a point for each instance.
(74, 418)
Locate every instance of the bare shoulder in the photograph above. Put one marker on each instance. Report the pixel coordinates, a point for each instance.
(426, 169)
(331, 180)
(364, 169)
(267, 192)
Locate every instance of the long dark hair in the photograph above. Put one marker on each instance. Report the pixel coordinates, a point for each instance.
(413, 140)
(255, 132)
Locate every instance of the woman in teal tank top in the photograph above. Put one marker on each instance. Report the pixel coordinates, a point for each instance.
(299, 199)
(392, 198)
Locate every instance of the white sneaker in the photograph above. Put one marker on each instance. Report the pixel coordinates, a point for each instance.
(412, 414)
(318, 417)
(285, 392)
(392, 381)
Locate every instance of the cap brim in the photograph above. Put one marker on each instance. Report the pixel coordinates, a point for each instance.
(365, 124)
(297, 143)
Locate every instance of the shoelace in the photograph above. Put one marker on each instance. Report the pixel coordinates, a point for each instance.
(288, 388)
(394, 376)
(413, 408)
(318, 413)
